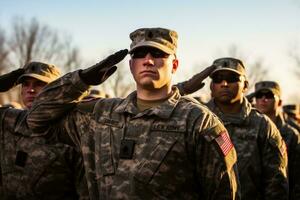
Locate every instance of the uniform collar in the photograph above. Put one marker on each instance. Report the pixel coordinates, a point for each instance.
(240, 118)
(164, 110)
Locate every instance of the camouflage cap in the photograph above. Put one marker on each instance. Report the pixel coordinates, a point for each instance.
(160, 38)
(41, 71)
(269, 86)
(291, 109)
(229, 64)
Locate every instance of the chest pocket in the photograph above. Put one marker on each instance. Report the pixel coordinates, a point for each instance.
(160, 153)
(105, 129)
(30, 159)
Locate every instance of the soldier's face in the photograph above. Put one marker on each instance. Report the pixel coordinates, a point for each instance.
(152, 69)
(228, 87)
(267, 102)
(31, 87)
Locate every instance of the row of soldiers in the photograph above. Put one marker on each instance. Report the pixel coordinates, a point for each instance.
(157, 143)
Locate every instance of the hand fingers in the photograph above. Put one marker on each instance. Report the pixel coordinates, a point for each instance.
(114, 58)
(109, 72)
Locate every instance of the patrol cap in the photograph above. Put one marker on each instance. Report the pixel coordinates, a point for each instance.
(41, 71)
(229, 64)
(291, 109)
(268, 86)
(160, 38)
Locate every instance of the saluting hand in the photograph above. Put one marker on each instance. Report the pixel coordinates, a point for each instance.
(99, 72)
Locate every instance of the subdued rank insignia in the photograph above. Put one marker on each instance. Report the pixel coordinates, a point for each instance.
(224, 142)
(21, 158)
(127, 149)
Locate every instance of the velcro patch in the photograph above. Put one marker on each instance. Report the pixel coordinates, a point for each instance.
(224, 142)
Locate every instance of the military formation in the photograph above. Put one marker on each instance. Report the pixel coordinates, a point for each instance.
(73, 142)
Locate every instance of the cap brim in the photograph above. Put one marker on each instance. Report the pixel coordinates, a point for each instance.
(153, 44)
(225, 69)
(36, 76)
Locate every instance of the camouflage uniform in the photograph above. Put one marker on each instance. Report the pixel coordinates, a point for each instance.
(261, 151)
(175, 150)
(262, 158)
(292, 140)
(293, 110)
(35, 166)
(176, 153)
(288, 133)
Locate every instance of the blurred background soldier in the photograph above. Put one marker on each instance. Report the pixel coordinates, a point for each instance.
(262, 157)
(31, 167)
(154, 144)
(292, 115)
(268, 101)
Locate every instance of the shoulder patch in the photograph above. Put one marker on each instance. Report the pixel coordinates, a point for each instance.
(224, 142)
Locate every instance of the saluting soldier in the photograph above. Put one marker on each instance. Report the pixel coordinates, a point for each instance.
(155, 143)
(31, 167)
(262, 157)
(268, 101)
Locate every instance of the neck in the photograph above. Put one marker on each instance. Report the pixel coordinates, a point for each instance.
(272, 115)
(154, 94)
(230, 108)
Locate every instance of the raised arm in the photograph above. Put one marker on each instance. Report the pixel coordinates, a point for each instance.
(196, 82)
(62, 95)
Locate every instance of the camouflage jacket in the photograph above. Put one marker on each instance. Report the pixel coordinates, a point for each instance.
(32, 168)
(292, 122)
(292, 140)
(262, 157)
(178, 150)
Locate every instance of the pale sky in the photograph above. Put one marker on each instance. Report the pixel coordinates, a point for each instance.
(260, 29)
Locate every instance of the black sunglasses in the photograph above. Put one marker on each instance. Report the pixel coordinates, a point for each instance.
(267, 95)
(218, 78)
(142, 52)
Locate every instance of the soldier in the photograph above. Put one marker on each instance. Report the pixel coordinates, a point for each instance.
(268, 101)
(154, 144)
(262, 158)
(292, 115)
(32, 167)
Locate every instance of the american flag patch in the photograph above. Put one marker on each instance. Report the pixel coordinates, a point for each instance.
(224, 142)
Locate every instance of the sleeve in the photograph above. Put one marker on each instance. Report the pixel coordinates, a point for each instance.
(274, 162)
(55, 101)
(294, 164)
(216, 161)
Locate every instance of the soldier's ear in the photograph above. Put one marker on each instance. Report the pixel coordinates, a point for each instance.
(246, 85)
(174, 65)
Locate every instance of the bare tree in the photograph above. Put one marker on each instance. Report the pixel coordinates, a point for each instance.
(4, 52)
(34, 41)
(120, 84)
(294, 53)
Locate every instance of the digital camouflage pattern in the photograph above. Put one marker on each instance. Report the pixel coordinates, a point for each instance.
(160, 38)
(230, 64)
(292, 141)
(33, 168)
(262, 157)
(292, 122)
(269, 86)
(175, 153)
